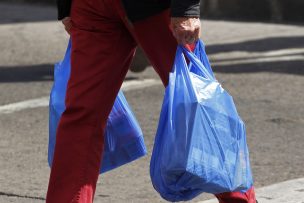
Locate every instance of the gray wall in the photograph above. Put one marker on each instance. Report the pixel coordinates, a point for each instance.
(275, 10)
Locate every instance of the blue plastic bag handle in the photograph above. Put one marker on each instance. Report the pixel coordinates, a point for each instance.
(200, 52)
(196, 62)
(68, 50)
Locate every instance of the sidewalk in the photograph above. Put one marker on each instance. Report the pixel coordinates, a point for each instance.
(286, 192)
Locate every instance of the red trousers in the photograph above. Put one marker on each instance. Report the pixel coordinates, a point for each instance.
(103, 45)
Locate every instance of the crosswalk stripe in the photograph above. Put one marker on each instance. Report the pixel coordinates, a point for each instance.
(44, 101)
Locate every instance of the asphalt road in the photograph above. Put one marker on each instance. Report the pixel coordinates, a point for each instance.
(260, 64)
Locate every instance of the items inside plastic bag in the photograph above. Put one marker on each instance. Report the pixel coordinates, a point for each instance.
(200, 145)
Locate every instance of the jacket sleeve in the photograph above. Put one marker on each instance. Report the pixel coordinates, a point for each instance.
(185, 8)
(64, 8)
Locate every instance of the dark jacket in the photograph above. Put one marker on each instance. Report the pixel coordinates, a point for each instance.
(140, 9)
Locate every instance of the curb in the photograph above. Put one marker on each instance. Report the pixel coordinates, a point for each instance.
(291, 191)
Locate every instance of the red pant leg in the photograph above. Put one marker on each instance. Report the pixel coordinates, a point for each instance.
(102, 49)
(156, 39)
(154, 36)
(237, 197)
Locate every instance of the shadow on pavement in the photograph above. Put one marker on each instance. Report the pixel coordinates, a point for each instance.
(43, 72)
(260, 45)
(21, 12)
(288, 67)
(34, 73)
(294, 64)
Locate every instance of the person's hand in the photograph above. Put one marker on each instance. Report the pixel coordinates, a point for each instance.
(67, 24)
(186, 30)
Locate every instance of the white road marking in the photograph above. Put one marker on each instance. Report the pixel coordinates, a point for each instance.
(281, 52)
(139, 84)
(27, 104)
(258, 57)
(44, 101)
(261, 60)
(291, 191)
(268, 56)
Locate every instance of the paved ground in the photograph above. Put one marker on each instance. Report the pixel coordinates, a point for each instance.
(261, 65)
(285, 192)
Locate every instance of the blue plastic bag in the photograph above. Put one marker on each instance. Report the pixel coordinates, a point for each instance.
(123, 137)
(200, 145)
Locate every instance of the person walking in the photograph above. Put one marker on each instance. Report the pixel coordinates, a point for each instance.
(105, 34)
